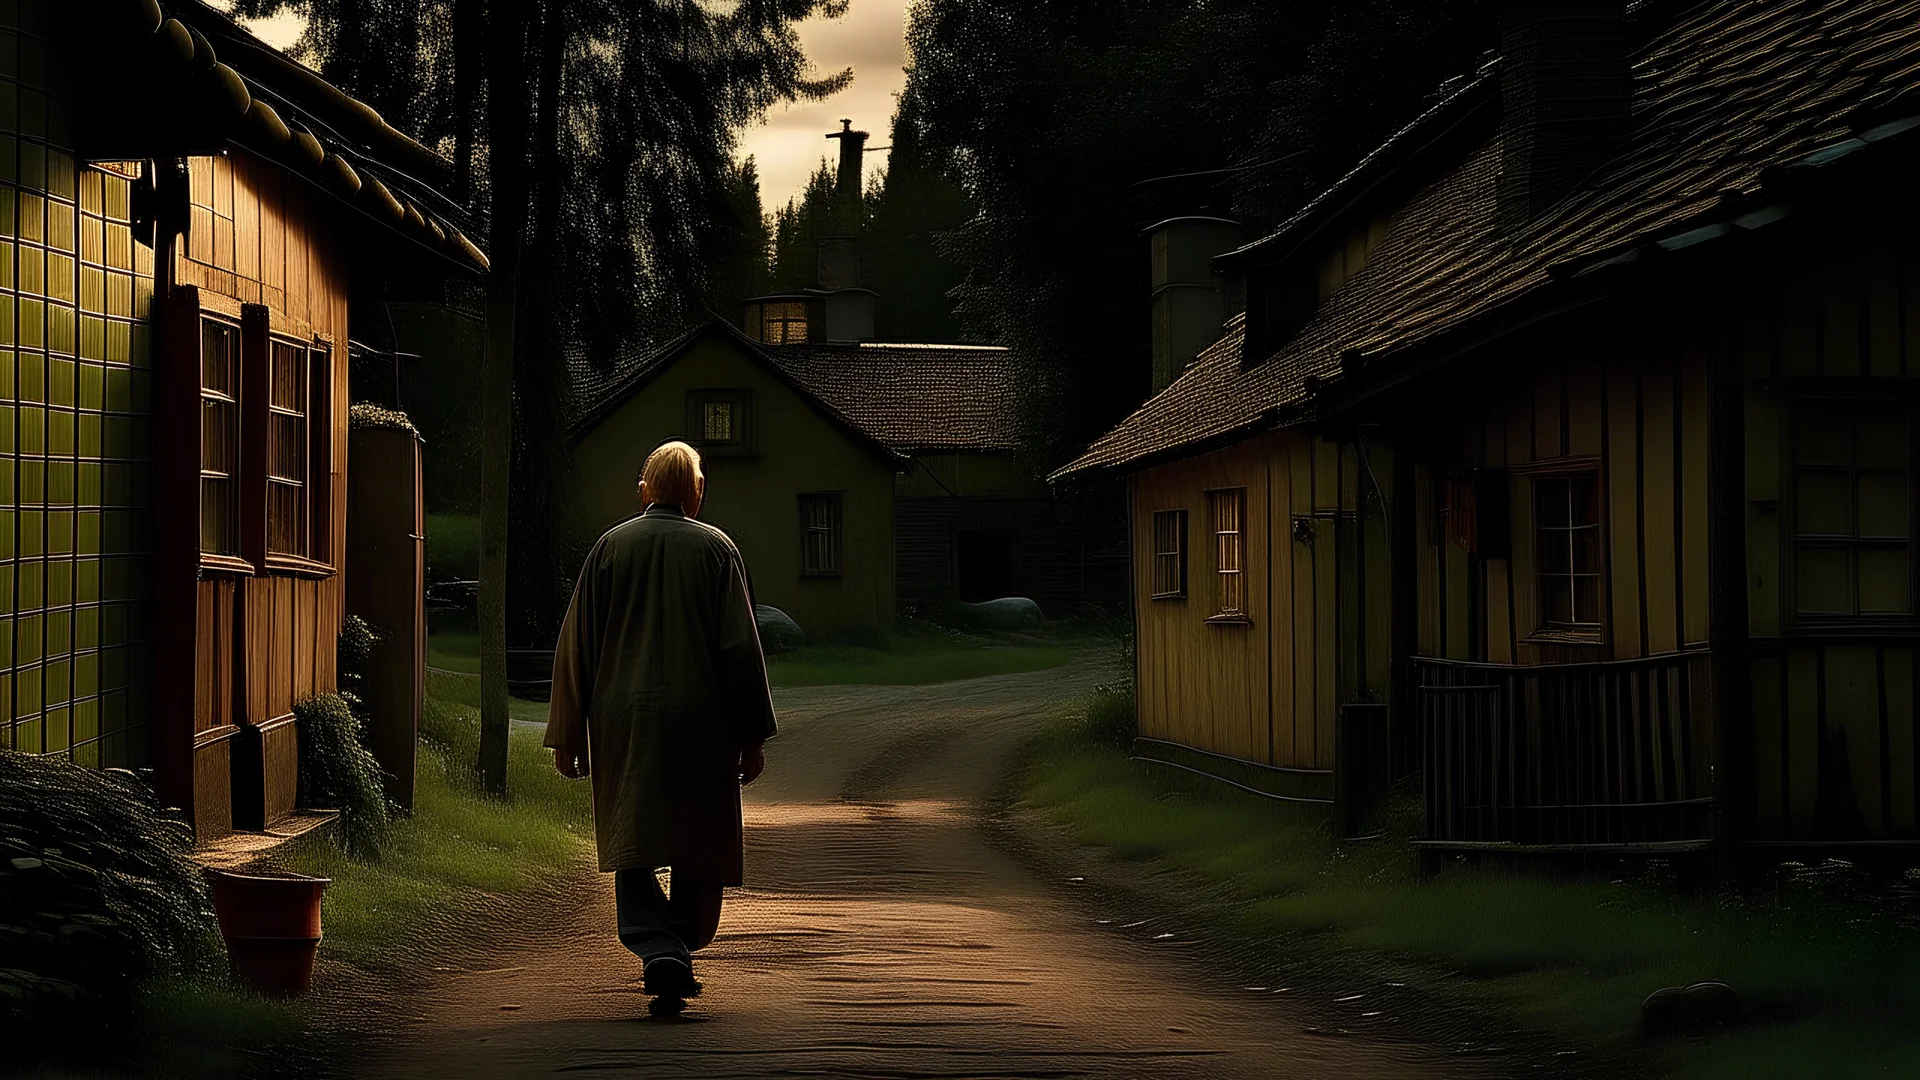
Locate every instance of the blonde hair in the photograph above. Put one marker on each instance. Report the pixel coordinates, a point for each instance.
(672, 476)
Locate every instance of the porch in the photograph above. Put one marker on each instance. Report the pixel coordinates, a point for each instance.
(1567, 757)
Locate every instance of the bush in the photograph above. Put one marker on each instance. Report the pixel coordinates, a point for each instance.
(99, 897)
(338, 772)
(1110, 717)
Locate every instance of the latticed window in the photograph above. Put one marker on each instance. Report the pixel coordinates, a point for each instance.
(287, 445)
(1566, 519)
(820, 534)
(1852, 500)
(219, 437)
(716, 421)
(720, 421)
(1169, 554)
(1228, 511)
(784, 324)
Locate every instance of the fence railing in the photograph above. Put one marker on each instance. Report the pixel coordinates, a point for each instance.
(1568, 754)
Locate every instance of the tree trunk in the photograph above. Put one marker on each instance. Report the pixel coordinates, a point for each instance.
(507, 169)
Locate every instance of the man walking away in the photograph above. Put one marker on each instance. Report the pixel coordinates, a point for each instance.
(660, 695)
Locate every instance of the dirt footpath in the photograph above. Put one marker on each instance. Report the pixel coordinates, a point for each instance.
(882, 936)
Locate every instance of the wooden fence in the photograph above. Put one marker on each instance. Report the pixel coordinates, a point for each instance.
(1616, 753)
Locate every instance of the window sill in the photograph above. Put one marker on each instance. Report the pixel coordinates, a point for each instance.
(226, 564)
(1229, 620)
(295, 566)
(1169, 596)
(1556, 636)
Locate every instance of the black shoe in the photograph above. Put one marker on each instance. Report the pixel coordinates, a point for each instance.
(669, 977)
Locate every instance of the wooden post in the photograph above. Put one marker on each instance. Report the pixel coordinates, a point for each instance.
(1727, 625)
(386, 582)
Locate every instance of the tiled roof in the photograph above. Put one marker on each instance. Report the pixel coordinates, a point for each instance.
(1729, 91)
(914, 398)
(904, 399)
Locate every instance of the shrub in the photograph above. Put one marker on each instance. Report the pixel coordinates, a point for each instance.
(338, 772)
(1110, 718)
(99, 897)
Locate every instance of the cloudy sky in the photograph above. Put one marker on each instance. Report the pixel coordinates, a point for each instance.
(788, 146)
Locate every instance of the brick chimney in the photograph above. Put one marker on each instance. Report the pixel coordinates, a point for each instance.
(1566, 89)
(839, 266)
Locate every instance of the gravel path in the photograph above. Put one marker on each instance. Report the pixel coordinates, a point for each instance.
(882, 936)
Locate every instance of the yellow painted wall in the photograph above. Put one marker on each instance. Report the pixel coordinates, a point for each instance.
(755, 499)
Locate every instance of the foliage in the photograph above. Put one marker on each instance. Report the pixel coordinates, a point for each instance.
(1821, 951)
(337, 771)
(366, 415)
(797, 228)
(453, 547)
(908, 208)
(1059, 119)
(99, 897)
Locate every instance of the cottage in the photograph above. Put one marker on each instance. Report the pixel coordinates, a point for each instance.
(857, 475)
(1569, 439)
(186, 214)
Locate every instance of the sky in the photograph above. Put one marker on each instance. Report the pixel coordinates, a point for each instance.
(789, 144)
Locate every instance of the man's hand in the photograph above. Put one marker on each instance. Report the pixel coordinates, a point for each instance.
(571, 765)
(753, 762)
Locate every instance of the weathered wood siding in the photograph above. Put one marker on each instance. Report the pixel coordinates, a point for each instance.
(1633, 411)
(265, 639)
(1319, 619)
(1834, 747)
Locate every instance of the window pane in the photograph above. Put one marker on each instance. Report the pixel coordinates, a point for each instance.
(1880, 440)
(1555, 557)
(1586, 599)
(1586, 549)
(1550, 499)
(1883, 581)
(1584, 500)
(1821, 436)
(218, 344)
(289, 377)
(286, 518)
(717, 425)
(1556, 599)
(1822, 586)
(287, 447)
(216, 516)
(217, 436)
(1883, 505)
(1822, 505)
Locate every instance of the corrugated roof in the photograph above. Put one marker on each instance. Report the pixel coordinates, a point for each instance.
(1731, 90)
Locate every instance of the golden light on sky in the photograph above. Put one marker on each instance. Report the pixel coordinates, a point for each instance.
(870, 38)
(788, 146)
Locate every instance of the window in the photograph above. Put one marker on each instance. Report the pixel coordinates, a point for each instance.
(1566, 522)
(820, 530)
(1851, 510)
(219, 438)
(720, 421)
(784, 323)
(287, 450)
(1229, 513)
(1169, 554)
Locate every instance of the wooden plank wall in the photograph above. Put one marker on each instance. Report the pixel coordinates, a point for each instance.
(1319, 595)
(1203, 685)
(1638, 412)
(1835, 749)
(262, 237)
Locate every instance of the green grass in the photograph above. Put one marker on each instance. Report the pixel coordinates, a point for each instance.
(453, 545)
(454, 650)
(459, 846)
(1839, 962)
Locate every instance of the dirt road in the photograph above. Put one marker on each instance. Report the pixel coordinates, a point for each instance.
(882, 936)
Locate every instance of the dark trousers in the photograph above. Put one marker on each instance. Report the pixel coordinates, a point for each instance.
(652, 924)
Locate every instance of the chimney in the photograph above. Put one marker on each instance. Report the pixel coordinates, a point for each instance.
(1190, 307)
(839, 266)
(1566, 90)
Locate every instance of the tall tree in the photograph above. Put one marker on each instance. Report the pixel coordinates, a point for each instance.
(598, 151)
(797, 229)
(910, 207)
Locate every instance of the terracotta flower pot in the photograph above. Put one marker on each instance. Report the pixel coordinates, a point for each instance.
(271, 923)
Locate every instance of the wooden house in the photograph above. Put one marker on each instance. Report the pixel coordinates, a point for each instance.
(1569, 440)
(186, 215)
(855, 476)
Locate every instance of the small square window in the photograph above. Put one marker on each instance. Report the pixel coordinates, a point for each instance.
(720, 421)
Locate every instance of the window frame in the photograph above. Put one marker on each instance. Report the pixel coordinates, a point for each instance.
(233, 559)
(1869, 393)
(266, 328)
(743, 444)
(1546, 628)
(1222, 612)
(1178, 519)
(835, 531)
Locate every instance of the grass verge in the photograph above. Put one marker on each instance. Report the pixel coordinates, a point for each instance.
(915, 655)
(459, 845)
(1829, 961)
(453, 545)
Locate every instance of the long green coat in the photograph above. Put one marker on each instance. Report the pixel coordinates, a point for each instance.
(659, 676)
